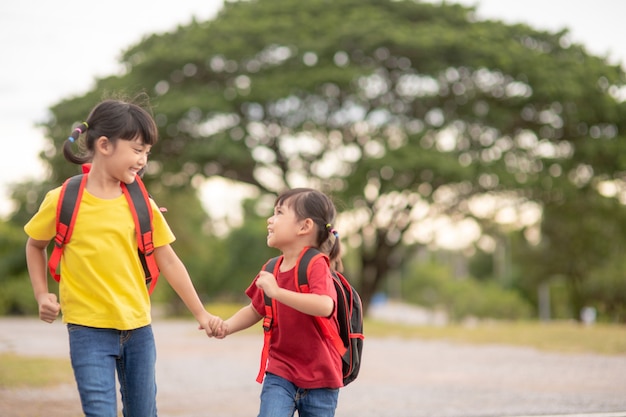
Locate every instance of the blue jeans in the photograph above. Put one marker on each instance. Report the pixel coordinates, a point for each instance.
(97, 354)
(281, 398)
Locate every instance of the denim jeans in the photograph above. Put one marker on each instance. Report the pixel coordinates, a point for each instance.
(97, 354)
(281, 398)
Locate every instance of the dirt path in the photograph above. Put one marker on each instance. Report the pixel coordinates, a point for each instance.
(399, 378)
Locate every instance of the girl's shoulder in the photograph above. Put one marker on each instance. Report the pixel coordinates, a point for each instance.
(55, 192)
(319, 268)
(42, 225)
(322, 262)
(51, 198)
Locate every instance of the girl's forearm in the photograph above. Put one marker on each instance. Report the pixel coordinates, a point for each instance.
(242, 319)
(182, 285)
(178, 277)
(311, 304)
(36, 263)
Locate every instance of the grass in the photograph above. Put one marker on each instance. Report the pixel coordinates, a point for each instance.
(560, 337)
(21, 371)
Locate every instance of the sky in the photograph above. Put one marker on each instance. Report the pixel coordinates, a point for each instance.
(53, 50)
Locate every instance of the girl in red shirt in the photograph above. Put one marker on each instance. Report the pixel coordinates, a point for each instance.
(304, 369)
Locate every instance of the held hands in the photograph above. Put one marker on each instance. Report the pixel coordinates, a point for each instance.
(49, 307)
(211, 325)
(221, 331)
(214, 327)
(246, 316)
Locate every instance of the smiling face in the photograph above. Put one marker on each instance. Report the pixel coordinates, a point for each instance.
(128, 158)
(283, 227)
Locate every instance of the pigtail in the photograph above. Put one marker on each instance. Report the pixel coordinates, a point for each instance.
(334, 251)
(68, 151)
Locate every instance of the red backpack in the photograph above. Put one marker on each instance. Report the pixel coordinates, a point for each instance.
(349, 340)
(139, 203)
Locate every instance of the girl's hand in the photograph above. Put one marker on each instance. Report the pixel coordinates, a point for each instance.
(221, 331)
(49, 307)
(267, 282)
(219, 328)
(210, 324)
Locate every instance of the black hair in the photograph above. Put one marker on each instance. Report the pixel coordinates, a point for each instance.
(308, 203)
(115, 119)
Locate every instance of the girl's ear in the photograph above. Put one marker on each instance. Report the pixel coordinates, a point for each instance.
(306, 226)
(103, 145)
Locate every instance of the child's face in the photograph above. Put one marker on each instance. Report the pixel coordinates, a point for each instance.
(282, 227)
(130, 157)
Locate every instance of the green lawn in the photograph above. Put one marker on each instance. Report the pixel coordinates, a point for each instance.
(562, 337)
(27, 371)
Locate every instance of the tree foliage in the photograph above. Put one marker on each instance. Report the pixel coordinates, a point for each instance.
(402, 111)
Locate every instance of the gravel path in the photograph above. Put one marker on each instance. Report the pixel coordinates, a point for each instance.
(399, 378)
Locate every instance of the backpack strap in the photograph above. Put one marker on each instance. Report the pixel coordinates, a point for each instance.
(268, 321)
(139, 202)
(71, 192)
(140, 208)
(303, 266)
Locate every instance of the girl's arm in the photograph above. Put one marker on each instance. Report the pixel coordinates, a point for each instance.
(177, 276)
(36, 259)
(241, 320)
(307, 303)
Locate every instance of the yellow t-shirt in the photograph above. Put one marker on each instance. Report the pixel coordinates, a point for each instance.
(102, 281)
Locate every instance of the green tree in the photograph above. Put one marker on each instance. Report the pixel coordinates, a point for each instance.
(583, 241)
(434, 285)
(606, 290)
(401, 110)
(16, 296)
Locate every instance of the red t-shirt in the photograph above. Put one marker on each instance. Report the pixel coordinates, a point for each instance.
(298, 351)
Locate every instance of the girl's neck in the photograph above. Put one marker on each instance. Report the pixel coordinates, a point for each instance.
(290, 257)
(103, 186)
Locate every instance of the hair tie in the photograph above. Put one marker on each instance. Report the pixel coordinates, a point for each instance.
(332, 230)
(73, 137)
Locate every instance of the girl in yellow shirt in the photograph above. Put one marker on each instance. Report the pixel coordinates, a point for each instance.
(103, 293)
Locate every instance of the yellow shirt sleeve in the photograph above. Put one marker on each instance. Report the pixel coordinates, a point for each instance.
(42, 226)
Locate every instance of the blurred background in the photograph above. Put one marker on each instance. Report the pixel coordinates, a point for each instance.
(473, 149)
